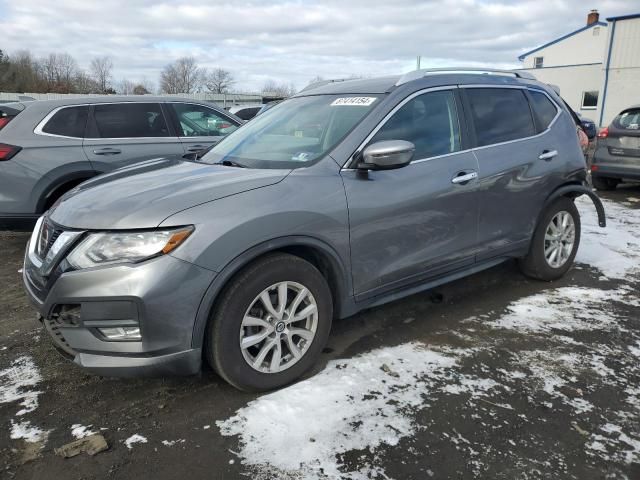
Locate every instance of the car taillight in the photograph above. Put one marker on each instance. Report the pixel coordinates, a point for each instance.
(4, 121)
(603, 133)
(7, 152)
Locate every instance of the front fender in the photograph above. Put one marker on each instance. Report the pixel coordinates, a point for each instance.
(576, 190)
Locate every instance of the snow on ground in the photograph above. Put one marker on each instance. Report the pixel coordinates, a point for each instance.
(17, 384)
(27, 432)
(135, 438)
(81, 431)
(614, 250)
(171, 443)
(353, 404)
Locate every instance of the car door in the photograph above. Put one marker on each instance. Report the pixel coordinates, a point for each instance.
(124, 133)
(514, 176)
(199, 126)
(419, 221)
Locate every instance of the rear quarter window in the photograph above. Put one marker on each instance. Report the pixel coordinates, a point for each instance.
(544, 110)
(68, 122)
(628, 120)
(500, 115)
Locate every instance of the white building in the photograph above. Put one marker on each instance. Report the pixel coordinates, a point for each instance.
(596, 67)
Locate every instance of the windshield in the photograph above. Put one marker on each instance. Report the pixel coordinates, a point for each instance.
(293, 133)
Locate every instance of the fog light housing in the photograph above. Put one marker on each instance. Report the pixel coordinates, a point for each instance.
(121, 333)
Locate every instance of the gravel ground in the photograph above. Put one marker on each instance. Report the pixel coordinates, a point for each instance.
(492, 376)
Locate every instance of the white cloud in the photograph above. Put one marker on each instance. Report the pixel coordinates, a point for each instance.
(293, 40)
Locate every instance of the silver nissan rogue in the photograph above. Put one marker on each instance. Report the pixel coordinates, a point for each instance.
(347, 196)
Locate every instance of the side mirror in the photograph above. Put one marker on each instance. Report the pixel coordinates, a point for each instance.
(387, 155)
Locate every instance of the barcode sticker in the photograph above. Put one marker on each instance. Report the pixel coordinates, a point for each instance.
(350, 101)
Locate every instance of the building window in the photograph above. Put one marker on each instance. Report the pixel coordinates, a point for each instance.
(589, 100)
(538, 62)
(596, 31)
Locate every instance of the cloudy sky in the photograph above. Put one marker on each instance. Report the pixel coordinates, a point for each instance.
(293, 40)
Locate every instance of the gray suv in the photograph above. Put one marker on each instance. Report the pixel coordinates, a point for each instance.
(49, 147)
(347, 196)
(617, 155)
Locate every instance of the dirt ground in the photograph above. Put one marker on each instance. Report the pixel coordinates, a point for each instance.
(492, 376)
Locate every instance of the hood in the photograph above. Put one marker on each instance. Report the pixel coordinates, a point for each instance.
(143, 195)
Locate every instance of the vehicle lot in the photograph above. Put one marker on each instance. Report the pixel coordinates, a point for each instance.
(492, 376)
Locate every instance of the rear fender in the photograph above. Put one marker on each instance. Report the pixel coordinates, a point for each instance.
(576, 190)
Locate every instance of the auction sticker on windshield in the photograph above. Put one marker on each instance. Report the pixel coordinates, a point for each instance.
(360, 101)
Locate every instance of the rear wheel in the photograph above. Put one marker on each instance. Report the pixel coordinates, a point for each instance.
(555, 242)
(604, 183)
(271, 324)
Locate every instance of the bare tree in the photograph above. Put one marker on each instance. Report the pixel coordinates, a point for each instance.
(101, 68)
(83, 83)
(274, 89)
(140, 89)
(219, 80)
(59, 70)
(181, 76)
(126, 87)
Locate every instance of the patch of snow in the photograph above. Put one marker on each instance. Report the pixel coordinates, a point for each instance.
(135, 438)
(614, 250)
(27, 432)
(564, 309)
(80, 431)
(473, 386)
(621, 446)
(17, 382)
(351, 405)
(170, 443)
(206, 427)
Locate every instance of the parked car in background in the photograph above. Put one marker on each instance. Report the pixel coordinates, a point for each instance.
(617, 155)
(589, 126)
(245, 112)
(268, 106)
(49, 147)
(344, 197)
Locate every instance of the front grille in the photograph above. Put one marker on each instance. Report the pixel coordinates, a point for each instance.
(49, 233)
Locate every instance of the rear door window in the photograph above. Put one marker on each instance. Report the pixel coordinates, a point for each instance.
(68, 122)
(628, 120)
(544, 110)
(429, 121)
(200, 121)
(130, 120)
(500, 115)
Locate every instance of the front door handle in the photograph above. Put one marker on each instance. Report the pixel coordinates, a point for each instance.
(197, 148)
(107, 151)
(464, 177)
(548, 155)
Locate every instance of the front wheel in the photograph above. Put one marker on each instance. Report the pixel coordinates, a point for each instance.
(555, 242)
(271, 324)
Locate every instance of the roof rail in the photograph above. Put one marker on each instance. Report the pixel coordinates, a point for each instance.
(407, 77)
(321, 83)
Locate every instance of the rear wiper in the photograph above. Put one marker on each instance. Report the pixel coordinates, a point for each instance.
(231, 163)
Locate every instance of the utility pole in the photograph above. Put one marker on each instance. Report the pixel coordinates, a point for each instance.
(418, 62)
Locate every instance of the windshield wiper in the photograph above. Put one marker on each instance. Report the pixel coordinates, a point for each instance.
(231, 163)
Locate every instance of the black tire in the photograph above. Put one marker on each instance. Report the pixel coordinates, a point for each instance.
(604, 183)
(222, 342)
(535, 264)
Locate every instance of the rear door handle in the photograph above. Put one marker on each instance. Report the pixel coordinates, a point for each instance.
(464, 177)
(107, 151)
(548, 155)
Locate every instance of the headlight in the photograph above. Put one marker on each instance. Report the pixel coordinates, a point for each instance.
(99, 249)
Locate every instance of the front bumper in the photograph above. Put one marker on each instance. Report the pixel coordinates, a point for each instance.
(161, 296)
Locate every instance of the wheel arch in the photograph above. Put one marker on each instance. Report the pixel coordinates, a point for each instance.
(60, 186)
(573, 191)
(315, 251)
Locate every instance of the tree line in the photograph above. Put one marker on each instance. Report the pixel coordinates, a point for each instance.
(21, 72)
